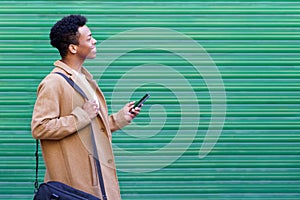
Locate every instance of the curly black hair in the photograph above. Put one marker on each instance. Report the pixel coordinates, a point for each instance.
(65, 32)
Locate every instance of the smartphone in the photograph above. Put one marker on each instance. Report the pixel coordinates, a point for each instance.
(141, 101)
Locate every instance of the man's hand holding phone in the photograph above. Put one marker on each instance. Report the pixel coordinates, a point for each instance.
(133, 108)
(139, 104)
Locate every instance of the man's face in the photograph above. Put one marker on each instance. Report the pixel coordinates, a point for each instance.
(86, 47)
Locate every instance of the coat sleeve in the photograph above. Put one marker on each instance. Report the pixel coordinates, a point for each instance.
(117, 121)
(47, 122)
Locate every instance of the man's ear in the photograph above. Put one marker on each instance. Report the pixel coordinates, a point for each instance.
(73, 48)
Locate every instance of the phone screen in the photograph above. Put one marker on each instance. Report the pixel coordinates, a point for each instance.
(141, 101)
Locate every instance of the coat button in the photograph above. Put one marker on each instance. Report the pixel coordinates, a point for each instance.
(110, 161)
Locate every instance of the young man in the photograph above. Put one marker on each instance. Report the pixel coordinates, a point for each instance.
(62, 118)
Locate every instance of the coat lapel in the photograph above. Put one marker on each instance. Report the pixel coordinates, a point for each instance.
(103, 107)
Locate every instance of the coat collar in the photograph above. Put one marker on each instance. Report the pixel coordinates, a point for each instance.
(69, 70)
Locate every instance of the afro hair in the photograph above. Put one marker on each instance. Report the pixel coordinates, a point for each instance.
(65, 32)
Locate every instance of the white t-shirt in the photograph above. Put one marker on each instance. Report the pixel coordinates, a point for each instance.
(82, 79)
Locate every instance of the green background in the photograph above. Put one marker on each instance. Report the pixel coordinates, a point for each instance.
(254, 44)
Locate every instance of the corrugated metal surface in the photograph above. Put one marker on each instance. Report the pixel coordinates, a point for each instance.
(254, 44)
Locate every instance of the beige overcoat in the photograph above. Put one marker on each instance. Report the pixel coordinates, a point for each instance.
(63, 128)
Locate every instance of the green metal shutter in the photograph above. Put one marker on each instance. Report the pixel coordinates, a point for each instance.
(255, 46)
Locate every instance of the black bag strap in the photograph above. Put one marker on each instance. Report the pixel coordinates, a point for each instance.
(73, 84)
(36, 182)
(100, 177)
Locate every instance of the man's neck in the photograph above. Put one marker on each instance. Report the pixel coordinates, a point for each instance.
(73, 63)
